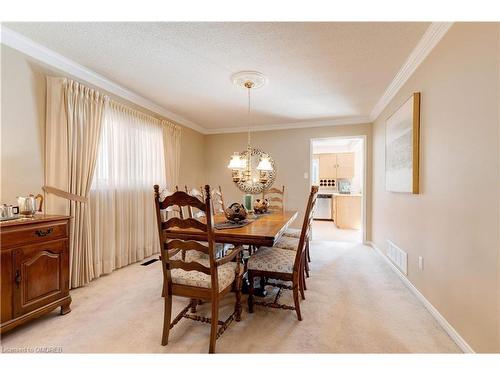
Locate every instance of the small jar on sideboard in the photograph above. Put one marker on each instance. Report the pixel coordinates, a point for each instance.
(34, 268)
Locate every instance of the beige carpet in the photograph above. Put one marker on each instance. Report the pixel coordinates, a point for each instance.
(355, 304)
(328, 231)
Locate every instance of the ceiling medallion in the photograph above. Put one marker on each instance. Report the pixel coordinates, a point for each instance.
(252, 170)
(242, 79)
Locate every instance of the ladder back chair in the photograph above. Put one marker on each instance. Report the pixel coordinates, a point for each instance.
(291, 236)
(276, 198)
(218, 201)
(194, 212)
(290, 241)
(173, 210)
(282, 264)
(277, 202)
(200, 276)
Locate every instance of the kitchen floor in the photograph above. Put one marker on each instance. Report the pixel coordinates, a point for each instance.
(327, 231)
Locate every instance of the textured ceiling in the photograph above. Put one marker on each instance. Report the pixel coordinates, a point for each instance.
(316, 71)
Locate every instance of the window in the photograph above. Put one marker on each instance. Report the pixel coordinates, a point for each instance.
(130, 161)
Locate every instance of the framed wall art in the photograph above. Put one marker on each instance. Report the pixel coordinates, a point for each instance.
(402, 135)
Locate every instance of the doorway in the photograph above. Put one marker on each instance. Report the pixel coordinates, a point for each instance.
(338, 167)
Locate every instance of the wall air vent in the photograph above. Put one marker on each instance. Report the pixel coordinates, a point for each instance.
(397, 256)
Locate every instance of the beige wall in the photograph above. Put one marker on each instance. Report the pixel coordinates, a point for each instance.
(498, 257)
(192, 171)
(23, 126)
(23, 130)
(290, 150)
(454, 222)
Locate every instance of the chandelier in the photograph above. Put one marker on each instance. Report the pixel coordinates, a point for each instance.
(252, 170)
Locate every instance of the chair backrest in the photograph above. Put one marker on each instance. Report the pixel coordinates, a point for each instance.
(173, 210)
(306, 226)
(217, 201)
(199, 194)
(276, 198)
(172, 242)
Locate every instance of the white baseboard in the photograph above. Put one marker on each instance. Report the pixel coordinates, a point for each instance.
(455, 336)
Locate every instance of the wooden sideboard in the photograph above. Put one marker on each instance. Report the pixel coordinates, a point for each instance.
(34, 268)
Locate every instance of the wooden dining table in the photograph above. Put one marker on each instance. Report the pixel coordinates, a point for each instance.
(263, 230)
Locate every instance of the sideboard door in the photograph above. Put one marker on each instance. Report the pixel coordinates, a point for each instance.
(39, 275)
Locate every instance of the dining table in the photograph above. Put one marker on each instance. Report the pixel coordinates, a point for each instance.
(261, 230)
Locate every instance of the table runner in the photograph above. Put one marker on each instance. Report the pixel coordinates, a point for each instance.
(229, 225)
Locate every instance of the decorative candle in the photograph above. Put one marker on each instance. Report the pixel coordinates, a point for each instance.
(247, 202)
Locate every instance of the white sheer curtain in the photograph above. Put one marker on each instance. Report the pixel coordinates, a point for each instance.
(131, 159)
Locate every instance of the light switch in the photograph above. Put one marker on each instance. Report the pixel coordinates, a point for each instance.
(306, 175)
(421, 263)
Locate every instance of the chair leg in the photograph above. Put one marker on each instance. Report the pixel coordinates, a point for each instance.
(296, 299)
(301, 284)
(194, 303)
(307, 252)
(166, 318)
(250, 292)
(214, 323)
(263, 283)
(304, 281)
(304, 272)
(237, 306)
(306, 267)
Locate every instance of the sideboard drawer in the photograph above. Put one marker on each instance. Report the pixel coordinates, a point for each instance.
(27, 234)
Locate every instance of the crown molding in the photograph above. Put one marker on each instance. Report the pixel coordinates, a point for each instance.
(429, 40)
(45, 55)
(294, 125)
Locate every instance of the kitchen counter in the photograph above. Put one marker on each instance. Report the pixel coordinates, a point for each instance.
(334, 192)
(347, 195)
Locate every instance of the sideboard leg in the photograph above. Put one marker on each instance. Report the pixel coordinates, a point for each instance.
(65, 308)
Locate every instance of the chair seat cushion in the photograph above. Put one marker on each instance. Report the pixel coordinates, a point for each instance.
(226, 274)
(292, 232)
(272, 259)
(288, 243)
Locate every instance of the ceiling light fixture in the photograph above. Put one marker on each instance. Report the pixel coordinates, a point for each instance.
(244, 175)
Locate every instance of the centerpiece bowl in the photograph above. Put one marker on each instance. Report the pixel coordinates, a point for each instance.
(260, 206)
(235, 213)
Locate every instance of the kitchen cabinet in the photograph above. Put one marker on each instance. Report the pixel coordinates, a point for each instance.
(347, 211)
(345, 165)
(337, 165)
(327, 166)
(35, 268)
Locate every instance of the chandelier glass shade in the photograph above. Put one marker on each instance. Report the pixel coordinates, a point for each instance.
(236, 162)
(264, 164)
